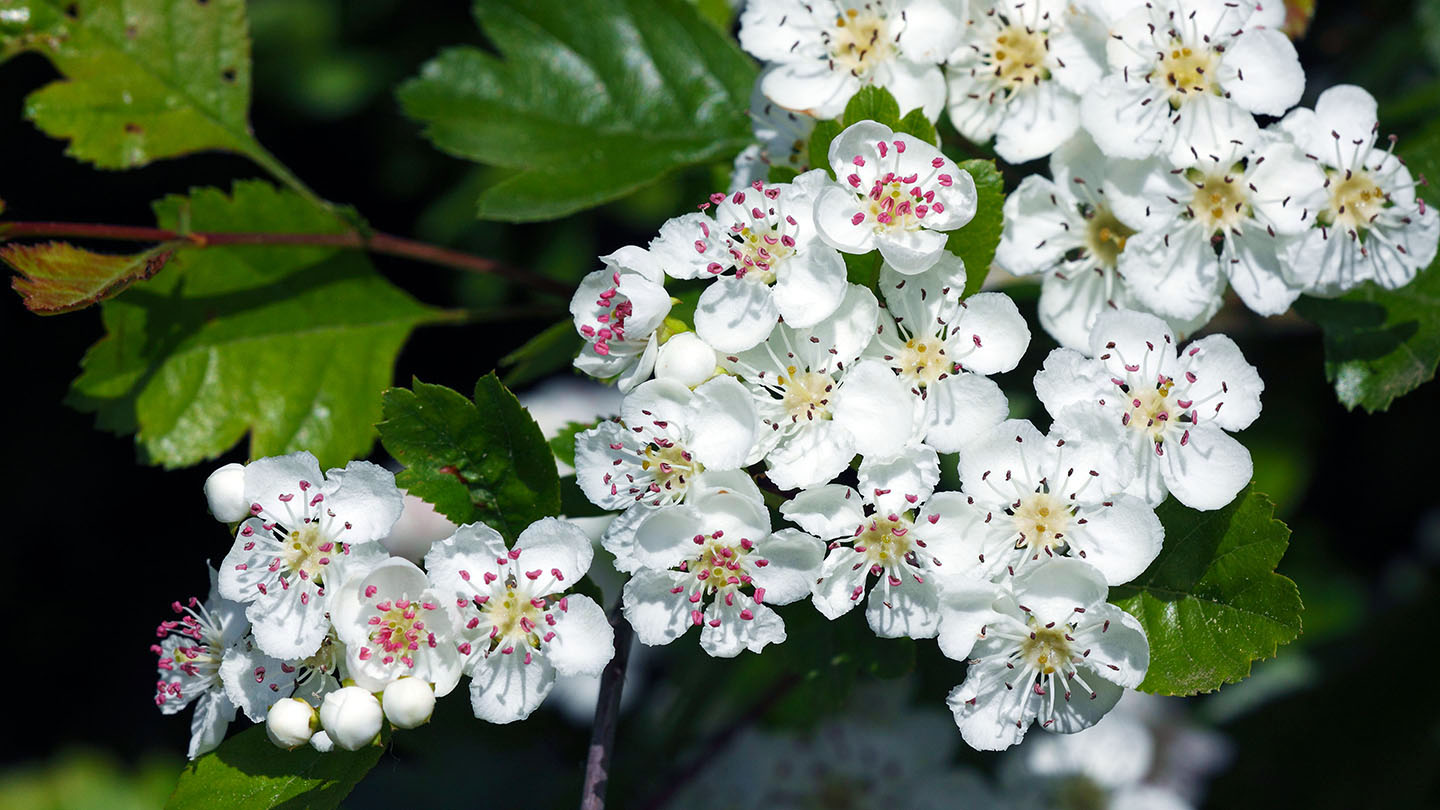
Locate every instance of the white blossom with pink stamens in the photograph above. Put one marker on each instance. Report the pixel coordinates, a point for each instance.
(617, 311)
(714, 563)
(308, 533)
(1176, 407)
(395, 625)
(894, 193)
(518, 625)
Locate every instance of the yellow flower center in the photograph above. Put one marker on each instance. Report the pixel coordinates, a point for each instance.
(308, 549)
(1018, 56)
(1105, 237)
(806, 394)
(671, 466)
(860, 41)
(885, 541)
(1219, 202)
(1047, 649)
(1042, 519)
(922, 361)
(515, 615)
(1152, 410)
(1187, 72)
(1355, 201)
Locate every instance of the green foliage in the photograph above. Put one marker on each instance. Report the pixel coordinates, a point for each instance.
(58, 277)
(1211, 603)
(870, 104)
(248, 772)
(563, 443)
(589, 100)
(484, 460)
(977, 241)
(293, 344)
(829, 657)
(137, 84)
(546, 353)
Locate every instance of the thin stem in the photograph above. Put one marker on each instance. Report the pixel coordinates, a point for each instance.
(381, 243)
(607, 714)
(279, 171)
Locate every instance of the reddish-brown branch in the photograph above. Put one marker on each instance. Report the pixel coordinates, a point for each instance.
(381, 243)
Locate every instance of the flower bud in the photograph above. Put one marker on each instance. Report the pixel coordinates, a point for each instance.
(352, 717)
(290, 723)
(225, 490)
(321, 742)
(408, 702)
(685, 358)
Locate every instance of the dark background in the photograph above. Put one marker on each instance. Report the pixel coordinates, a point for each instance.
(96, 545)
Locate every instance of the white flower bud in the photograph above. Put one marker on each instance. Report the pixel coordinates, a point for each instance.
(225, 490)
(321, 742)
(409, 702)
(290, 722)
(687, 359)
(352, 717)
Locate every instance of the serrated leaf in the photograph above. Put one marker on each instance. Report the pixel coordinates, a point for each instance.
(143, 79)
(546, 353)
(292, 344)
(587, 101)
(485, 460)
(58, 277)
(248, 772)
(976, 242)
(872, 103)
(1211, 603)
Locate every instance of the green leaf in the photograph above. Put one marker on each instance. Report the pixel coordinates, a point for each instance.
(248, 772)
(484, 460)
(588, 100)
(820, 138)
(143, 79)
(563, 443)
(293, 344)
(58, 277)
(976, 242)
(1211, 603)
(573, 502)
(918, 125)
(872, 104)
(546, 353)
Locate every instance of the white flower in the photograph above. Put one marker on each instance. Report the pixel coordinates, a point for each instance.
(765, 239)
(190, 653)
(394, 625)
(1175, 408)
(419, 526)
(818, 407)
(1185, 73)
(351, 717)
(939, 347)
(870, 536)
(823, 53)
(1244, 201)
(1019, 74)
(894, 192)
(520, 626)
(1372, 226)
(617, 311)
(783, 136)
(290, 723)
(225, 493)
(1036, 497)
(308, 532)
(1051, 651)
(408, 702)
(686, 359)
(714, 563)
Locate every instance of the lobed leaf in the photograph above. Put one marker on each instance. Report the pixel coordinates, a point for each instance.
(292, 344)
(587, 101)
(485, 460)
(1211, 603)
(248, 772)
(58, 277)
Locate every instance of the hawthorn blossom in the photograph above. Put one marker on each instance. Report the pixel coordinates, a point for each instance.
(902, 546)
(783, 138)
(1185, 72)
(1175, 405)
(1050, 651)
(518, 626)
(1046, 496)
(823, 53)
(894, 193)
(1242, 197)
(714, 563)
(617, 311)
(307, 533)
(940, 346)
(1371, 226)
(395, 625)
(767, 259)
(818, 407)
(1020, 72)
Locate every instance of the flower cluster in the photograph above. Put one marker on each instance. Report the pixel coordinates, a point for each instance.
(839, 398)
(310, 617)
(1164, 190)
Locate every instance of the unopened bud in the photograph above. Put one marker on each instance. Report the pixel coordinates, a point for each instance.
(686, 359)
(225, 490)
(408, 702)
(352, 717)
(321, 742)
(290, 722)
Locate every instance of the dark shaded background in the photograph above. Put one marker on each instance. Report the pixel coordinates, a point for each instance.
(96, 546)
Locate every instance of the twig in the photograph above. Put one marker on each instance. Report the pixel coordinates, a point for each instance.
(607, 713)
(381, 243)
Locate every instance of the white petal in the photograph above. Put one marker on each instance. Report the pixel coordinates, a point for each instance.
(960, 409)
(1069, 306)
(914, 85)
(664, 537)
(1209, 470)
(841, 582)
(1123, 646)
(1126, 121)
(722, 422)
(1037, 122)
(254, 681)
(735, 633)
(619, 536)
(812, 456)
(1256, 271)
(763, 35)
(874, 406)
(1015, 451)
(847, 332)
(658, 616)
(584, 640)
(1209, 126)
(594, 464)
(655, 401)
(1039, 219)
(558, 549)
(1223, 376)
(285, 627)
(985, 708)
(811, 88)
(1069, 378)
(991, 334)
(911, 609)
(213, 713)
(793, 562)
(1077, 709)
(1121, 539)
(932, 29)
(735, 314)
(675, 249)
(965, 607)
(1261, 72)
(810, 285)
(504, 688)
(911, 251)
(835, 212)
(1347, 110)
(899, 483)
(473, 548)
(1054, 589)
(268, 478)
(828, 512)
(1173, 271)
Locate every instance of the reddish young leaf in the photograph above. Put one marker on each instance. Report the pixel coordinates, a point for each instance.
(58, 277)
